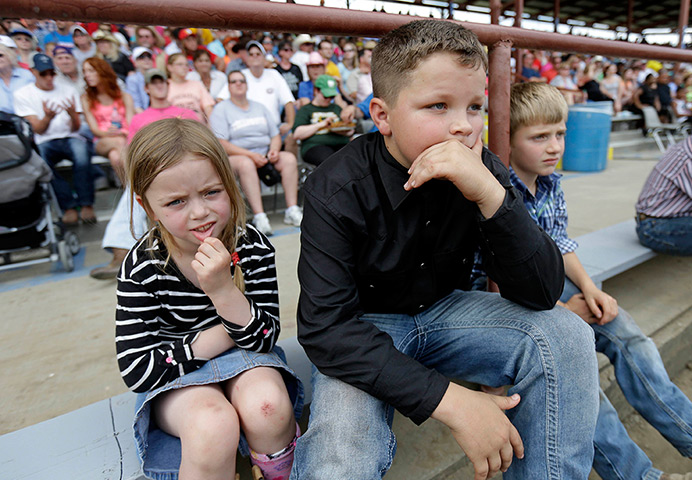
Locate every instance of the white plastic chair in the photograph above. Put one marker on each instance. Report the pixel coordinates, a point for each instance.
(655, 128)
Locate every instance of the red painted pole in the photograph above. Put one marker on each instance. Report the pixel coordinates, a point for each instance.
(682, 21)
(499, 81)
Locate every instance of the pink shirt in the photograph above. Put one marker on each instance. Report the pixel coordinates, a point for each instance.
(104, 115)
(190, 94)
(151, 115)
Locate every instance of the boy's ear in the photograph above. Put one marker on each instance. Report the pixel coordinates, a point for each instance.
(379, 112)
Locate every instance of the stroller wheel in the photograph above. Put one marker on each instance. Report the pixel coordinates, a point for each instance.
(72, 242)
(65, 256)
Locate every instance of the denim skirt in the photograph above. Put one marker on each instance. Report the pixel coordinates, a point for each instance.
(160, 452)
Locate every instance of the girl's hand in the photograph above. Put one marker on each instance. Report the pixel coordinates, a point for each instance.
(212, 264)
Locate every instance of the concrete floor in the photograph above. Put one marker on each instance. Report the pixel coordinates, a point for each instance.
(56, 344)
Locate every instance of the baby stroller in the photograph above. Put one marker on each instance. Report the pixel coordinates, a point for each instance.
(27, 201)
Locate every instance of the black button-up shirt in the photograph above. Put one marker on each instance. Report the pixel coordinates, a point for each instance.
(369, 246)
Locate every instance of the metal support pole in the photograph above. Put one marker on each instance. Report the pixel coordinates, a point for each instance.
(630, 17)
(495, 11)
(499, 82)
(682, 21)
(556, 16)
(518, 52)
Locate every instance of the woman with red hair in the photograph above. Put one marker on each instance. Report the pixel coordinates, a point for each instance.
(107, 110)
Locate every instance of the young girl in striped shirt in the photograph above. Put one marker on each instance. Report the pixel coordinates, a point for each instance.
(197, 317)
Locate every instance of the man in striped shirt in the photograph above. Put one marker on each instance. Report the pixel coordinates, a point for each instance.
(664, 208)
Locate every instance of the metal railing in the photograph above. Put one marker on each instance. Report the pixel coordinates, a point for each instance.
(262, 15)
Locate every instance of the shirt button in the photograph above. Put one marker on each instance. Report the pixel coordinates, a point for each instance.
(421, 307)
(464, 261)
(422, 266)
(427, 224)
(371, 286)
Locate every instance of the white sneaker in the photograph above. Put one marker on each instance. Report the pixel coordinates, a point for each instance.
(293, 216)
(261, 223)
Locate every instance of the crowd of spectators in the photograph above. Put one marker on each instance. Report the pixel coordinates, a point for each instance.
(629, 84)
(99, 73)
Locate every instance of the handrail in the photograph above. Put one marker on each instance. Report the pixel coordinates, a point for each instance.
(262, 15)
(284, 17)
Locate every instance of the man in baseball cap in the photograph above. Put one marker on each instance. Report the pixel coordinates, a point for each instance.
(326, 84)
(53, 111)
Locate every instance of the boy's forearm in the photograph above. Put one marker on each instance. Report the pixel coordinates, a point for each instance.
(575, 271)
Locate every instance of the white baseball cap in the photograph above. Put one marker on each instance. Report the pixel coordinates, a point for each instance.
(7, 41)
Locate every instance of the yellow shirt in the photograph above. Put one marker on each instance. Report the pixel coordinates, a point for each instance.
(333, 70)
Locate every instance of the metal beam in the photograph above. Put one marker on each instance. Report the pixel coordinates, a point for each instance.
(283, 17)
(682, 22)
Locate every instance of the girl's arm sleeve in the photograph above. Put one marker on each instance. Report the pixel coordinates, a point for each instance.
(257, 261)
(146, 360)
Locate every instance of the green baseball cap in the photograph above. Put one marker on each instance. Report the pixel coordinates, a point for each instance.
(326, 85)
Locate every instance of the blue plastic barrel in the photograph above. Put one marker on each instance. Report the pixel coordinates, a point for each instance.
(586, 140)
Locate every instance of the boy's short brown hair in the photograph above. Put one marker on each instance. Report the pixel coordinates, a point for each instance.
(401, 51)
(533, 103)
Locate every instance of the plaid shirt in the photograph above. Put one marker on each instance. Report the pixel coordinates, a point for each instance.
(548, 210)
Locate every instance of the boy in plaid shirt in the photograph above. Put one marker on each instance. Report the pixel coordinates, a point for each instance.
(537, 129)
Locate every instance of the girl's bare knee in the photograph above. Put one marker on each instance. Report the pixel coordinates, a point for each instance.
(270, 412)
(212, 432)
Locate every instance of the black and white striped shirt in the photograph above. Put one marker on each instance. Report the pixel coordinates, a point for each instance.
(667, 192)
(160, 313)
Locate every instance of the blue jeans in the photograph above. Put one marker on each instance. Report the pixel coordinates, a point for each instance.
(481, 338)
(643, 379)
(672, 236)
(74, 149)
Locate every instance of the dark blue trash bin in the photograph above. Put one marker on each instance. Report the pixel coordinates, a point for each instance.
(587, 137)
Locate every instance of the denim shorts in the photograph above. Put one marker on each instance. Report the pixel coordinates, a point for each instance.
(160, 452)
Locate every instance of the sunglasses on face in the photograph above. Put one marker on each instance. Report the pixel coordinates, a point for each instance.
(144, 56)
(233, 82)
(47, 73)
(286, 49)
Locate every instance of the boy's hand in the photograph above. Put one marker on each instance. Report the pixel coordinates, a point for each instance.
(577, 304)
(481, 428)
(461, 165)
(603, 306)
(212, 266)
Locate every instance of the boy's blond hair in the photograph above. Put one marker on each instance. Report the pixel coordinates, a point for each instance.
(534, 103)
(163, 144)
(399, 52)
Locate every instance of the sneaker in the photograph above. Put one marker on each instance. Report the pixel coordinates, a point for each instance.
(261, 223)
(293, 216)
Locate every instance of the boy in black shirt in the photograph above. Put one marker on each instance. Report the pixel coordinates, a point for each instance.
(390, 228)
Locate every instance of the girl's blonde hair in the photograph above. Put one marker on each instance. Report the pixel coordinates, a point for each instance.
(161, 145)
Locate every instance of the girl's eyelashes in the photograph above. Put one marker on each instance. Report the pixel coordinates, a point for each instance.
(437, 106)
(173, 203)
